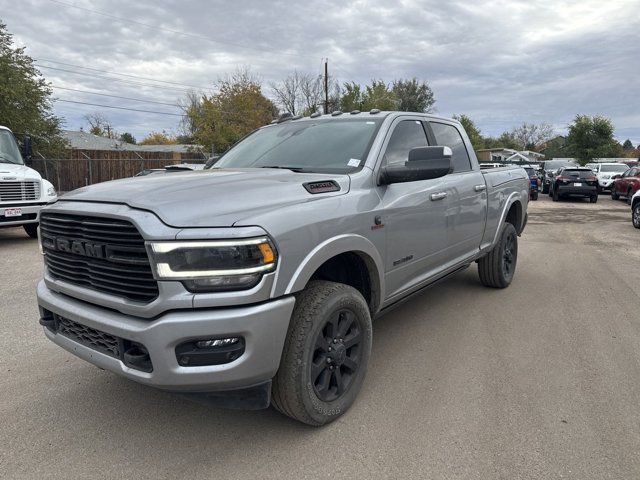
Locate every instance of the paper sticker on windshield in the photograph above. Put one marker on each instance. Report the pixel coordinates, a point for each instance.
(353, 162)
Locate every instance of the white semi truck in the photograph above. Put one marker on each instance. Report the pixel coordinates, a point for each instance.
(23, 192)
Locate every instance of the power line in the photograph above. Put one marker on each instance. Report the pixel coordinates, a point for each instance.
(130, 82)
(120, 74)
(114, 96)
(177, 32)
(119, 108)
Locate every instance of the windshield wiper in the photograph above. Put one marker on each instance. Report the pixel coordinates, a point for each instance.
(293, 169)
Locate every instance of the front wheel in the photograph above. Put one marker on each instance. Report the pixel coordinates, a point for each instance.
(31, 229)
(325, 355)
(635, 215)
(593, 198)
(497, 268)
(614, 195)
(629, 196)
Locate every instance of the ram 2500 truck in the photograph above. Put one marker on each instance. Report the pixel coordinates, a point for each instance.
(256, 281)
(23, 192)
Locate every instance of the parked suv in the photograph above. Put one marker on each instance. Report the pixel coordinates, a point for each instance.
(575, 182)
(605, 173)
(635, 209)
(626, 185)
(256, 281)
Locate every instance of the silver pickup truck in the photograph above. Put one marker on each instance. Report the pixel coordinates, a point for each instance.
(255, 281)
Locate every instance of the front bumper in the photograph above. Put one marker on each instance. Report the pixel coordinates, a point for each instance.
(30, 214)
(264, 327)
(605, 184)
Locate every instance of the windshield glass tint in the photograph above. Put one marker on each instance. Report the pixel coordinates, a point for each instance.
(325, 146)
(9, 152)
(614, 168)
(577, 173)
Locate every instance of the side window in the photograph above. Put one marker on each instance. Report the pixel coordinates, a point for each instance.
(448, 135)
(634, 172)
(408, 134)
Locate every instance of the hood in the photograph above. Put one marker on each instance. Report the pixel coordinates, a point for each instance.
(210, 198)
(12, 172)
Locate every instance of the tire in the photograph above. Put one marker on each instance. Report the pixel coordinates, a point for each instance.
(31, 229)
(614, 195)
(555, 195)
(545, 188)
(635, 215)
(324, 310)
(593, 198)
(629, 195)
(497, 268)
(534, 196)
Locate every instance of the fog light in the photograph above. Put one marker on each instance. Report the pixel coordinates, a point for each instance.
(219, 342)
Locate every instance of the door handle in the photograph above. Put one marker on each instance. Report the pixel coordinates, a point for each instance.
(480, 188)
(438, 196)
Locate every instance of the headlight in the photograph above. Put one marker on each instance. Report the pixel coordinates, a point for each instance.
(51, 192)
(216, 265)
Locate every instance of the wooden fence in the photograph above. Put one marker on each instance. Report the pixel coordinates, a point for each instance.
(70, 173)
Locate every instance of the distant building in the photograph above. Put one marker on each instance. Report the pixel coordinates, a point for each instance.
(83, 145)
(508, 155)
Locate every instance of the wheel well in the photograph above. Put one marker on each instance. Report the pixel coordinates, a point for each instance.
(355, 269)
(514, 216)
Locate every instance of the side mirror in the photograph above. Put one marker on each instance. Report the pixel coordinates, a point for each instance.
(616, 176)
(424, 163)
(27, 148)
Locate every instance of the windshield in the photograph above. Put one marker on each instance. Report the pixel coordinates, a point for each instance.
(323, 146)
(614, 168)
(582, 173)
(9, 152)
(531, 171)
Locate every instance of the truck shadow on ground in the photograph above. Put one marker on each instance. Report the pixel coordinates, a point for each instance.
(14, 236)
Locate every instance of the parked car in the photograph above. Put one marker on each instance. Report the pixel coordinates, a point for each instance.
(626, 185)
(263, 273)
(548, 170)
(23, 192)
(534, 182)
(635, 209)
(575, 182)
(605, 172)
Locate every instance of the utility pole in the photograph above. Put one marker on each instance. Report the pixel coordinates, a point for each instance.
(326, 85)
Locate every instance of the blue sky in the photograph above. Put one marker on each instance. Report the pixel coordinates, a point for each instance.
(502, 63)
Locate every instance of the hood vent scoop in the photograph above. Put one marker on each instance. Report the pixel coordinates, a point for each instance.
(324, 186)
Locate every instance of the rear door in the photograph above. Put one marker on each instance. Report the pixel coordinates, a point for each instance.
(414, 214)
(466, 211)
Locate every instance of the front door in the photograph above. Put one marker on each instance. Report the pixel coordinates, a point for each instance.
(414, 214)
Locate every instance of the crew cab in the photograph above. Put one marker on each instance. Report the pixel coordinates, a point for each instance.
(256, 281)
(626, 185)
(23, 192)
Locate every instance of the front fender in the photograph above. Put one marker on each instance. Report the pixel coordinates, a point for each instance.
(329, 249)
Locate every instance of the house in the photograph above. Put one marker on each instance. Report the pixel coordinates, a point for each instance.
(508, 155)
(84, 145)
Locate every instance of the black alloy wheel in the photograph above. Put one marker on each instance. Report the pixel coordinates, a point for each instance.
(336, 355)
(509, 255)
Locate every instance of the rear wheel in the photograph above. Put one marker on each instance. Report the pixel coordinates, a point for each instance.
(31, 229)
(555, 195)
(593, 198)
(498, 267)
(326, 353)
(635, 215)
(534, 196)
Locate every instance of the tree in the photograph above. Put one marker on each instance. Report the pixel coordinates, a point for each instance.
(591, 137)
(477, 141)
(25, 99)
(529, 135)
(413, 96)
(127, 138)
(505, 140)
(378, 95)
(100, 125)
(627, 145)
(351, 97)
(237, 109)
(158, 138)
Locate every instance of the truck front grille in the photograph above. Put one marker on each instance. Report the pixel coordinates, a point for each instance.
(99, 253)
(19, 191)
(89, 337)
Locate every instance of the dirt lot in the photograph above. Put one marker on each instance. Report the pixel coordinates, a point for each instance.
(541, 380)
